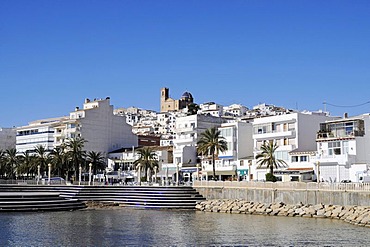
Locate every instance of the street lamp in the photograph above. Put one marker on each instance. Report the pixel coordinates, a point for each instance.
(38, 174)
(90, 165)
(177, 174)
(79, 175)
(318, 172)
(49, 173)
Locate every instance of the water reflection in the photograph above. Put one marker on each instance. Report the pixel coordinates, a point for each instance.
(125, 227)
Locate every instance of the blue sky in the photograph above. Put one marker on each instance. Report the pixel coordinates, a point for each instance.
(296, 54)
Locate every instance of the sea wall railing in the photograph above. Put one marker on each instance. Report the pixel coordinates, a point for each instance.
(285, 185)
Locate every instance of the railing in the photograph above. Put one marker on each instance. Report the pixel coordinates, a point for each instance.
(285, 185)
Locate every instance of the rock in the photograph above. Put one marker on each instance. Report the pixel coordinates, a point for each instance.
(321, 213)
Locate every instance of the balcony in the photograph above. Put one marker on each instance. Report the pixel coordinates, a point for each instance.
(331, 135)
(275, 134)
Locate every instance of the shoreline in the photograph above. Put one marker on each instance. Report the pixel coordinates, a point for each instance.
(356, 215)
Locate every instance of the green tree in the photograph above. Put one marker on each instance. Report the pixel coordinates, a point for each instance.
(267, 159)
(60, 161)
(43, 157)
(97, 160)
(146, 161)
(11, 162)
(28, 164)
(192, 109)
(2, 163)
(75, 152)
(211, 143)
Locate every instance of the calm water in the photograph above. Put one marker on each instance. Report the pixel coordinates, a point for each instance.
(129, 227)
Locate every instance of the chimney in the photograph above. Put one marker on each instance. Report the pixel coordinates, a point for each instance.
(345, 115)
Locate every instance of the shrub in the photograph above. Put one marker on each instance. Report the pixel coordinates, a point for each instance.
(270, 177)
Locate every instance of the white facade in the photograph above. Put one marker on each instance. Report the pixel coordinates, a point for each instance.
(232, 162)
(96, 123)
(40, 132)
(343, 149)
(7, 138)
(292, 132)
(211, 109)
(235, 110)
(187, 132)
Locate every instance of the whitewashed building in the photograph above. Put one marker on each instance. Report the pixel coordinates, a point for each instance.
(343, 149)
(212, 109)
(187, 132)
(294, 133)
(233, 163)
(96, 123)
(38, 133)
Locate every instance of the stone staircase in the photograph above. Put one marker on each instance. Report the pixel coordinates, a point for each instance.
(37, 201)
(156, 197)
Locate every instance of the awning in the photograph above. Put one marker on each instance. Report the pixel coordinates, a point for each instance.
(219, 173)
(189, 169)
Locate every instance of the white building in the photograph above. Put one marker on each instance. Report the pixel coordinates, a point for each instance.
(187, 132)
(294, 133)
(343, 149)
(96, 123)
(235, 110)
(233, 163)
(212, 109)
(7, 138)
(40, 132)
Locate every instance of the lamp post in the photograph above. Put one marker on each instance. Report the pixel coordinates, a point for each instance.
(79, 175)
(90, 165)
(318, 172)
(167, 175)
(177, 174)
(49, 173)
(38, 174)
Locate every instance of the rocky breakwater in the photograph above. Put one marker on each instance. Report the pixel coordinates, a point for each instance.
(357, 215)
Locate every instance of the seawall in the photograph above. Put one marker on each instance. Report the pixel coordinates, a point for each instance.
(288, 196)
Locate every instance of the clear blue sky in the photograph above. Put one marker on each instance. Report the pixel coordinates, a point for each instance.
(296, 54)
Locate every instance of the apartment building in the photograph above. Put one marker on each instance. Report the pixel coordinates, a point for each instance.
(233, 163)
(343, 149)
(38, 133)
(235, 110)
(212, 109)
(295, 134)
(96, 123)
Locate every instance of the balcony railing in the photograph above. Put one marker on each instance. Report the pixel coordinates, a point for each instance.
(284, 185)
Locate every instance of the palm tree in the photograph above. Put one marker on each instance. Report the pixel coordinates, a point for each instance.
(211, 143)
(43, 157)
(11, 162)
(60, 161)
(146, 161)
(75, 153)
(267, 159)
(97, 160)
(28, 164)
(2, 162)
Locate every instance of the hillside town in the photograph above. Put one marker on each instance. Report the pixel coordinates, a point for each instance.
(314, 145)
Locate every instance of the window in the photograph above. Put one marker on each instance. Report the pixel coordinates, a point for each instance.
(334, 148)
(294, 158)
(304, 158)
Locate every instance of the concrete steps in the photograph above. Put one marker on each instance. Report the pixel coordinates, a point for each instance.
(182, 197)
(37, 201)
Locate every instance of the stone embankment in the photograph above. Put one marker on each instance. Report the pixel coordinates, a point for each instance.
(357, 215)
